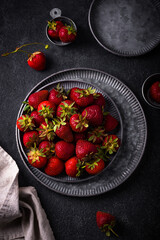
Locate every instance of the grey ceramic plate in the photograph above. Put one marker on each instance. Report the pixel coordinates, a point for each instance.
(110, 107)
(134, 135)
(126, 28)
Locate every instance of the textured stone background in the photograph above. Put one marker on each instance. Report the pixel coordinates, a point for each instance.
(136, 203)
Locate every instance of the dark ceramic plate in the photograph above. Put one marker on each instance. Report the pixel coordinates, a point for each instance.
(145, 90)
(126, 28)
(111, 107)
(134, 135)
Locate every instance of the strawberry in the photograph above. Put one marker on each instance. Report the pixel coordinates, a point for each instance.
(47, 148)
(46, 131)
(67, 34)
(53, 28)
(96, 135)
(47, 109)
(78, 123)
(93, 114)
(38, 119)
(64, 150)
(37, 61)
(57, 95)
(105, 222)
(71, 167)
(154, 91)
(99, 99)
(29, 138)
(111, 144)
(110, 123)
(78, 136)
(36, 98)
(37, 158)
(54, 167)
(84, 149)
(83, 97)
(63, 130)
(25, 122)
(66, 109)
(95, 166)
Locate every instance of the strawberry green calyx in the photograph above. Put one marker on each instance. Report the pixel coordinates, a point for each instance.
(80, 168)
(26, 122)
(61, 91)
(28, 108)
(52, 25)
(93, 164)
(85, 92)
(58, 122)
(101, 154)
(108, 228)
(46, 112)
(89, 157)
(67, 110)
(98, 132)
(47, 131)
(71, 29)
(111, 145)
(81, 122)
(103, 111)
(35, 153)
(96, 95)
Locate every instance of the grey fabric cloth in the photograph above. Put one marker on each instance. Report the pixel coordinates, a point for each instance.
(21, 213)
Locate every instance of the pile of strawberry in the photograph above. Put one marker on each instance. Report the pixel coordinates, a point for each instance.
(58, 31)
(68, 131)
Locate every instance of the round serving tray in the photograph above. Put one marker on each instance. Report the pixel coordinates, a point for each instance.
(126, 28)
(134, 135)
(110, 107)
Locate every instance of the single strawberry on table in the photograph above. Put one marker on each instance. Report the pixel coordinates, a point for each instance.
(106, 222)
(38, 119)
(78, 123)
(83, 97)
(36, 157)
(95, 167)
(29, 138)
(46, 109)
(25, 123)
(93, 114)
(111, 144)
(63, 129)
(54, 166)
(64, 150)
(47, 147)
(54, 28)
(154, 91)
(67, 34)
(37, 61)
(57, 95)
(85, 149)
(66, 109)
(110, 123)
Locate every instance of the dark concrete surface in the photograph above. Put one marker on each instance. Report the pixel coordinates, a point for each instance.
(136, 203)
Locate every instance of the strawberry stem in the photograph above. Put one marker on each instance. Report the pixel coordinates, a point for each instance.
(113, 232)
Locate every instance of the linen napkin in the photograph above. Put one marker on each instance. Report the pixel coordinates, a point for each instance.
(21, 213)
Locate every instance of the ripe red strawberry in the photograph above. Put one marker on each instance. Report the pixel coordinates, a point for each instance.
(84, 149)
(54, 167)
(38, 119)
(99, 99)
(46, 131)
(67, 34)
(71, 167)
(37, 158)
(25, 122)
(83, 97)
(105, 222)
(64, 150)
(36, 98)
(29, 138)
(95, 167)
(96, 135)
(111, 144)
(53, 28)
(47, 148)
(78, 123)
(47, 109)
(37, 61)
(79, 136)
(93, 114)
(154, 91)
(57, 95)
(63, 130)
(110, 123)
(66, 109)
